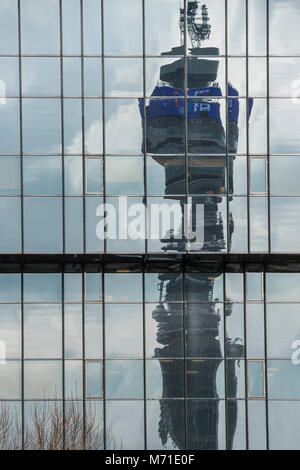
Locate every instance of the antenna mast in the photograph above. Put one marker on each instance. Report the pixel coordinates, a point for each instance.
(197, 25)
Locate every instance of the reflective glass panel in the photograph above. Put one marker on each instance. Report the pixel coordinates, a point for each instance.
(124, 175)
(124, 330)
(125, 422)
(40, 27)
(123, 287)
(42, 175)
(123, 27)
(40, 76)
(10, 175)
(42, 379)
(73, 331)
(124, 379)
(42, 116)
(43, 224)
(42, 331)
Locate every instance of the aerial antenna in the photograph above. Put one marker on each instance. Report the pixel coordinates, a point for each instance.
(198, 26)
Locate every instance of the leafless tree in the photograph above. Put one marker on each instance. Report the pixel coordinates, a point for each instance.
(49, 426)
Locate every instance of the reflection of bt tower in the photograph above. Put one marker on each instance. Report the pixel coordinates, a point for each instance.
(166, 129)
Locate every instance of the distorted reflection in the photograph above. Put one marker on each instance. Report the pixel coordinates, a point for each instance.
(198, 112)
(208, 122)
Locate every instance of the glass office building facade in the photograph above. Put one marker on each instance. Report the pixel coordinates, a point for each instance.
(129, 337)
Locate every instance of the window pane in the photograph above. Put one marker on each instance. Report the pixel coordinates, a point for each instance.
(10, 175)
(257, 424)
(94, 244)
(284, 416)
(256, 379)
(124, 77)
(72, 76)
(93, 331)
(284, 40)
(123, 127)
(163, 287)
(72, 126)
(203, 320)
(9, 70)
(238, 211)
(42, 175)
(165, 379)
(9, 27)
(71, 26)
(235, 341)
(43, 224)
(124, 379)
(125, 422)
(73, 175)
(212, 287)
(283, 331)
(10, 126)
(165, 175)
(285, 175)
(10, 228)
(258, 224)
(42, 287)
(10, 327)
(206, 425)
(285, 225)
(40, 76)
(10, 287)
(73, 287)
(40, 27)
(42, 379)
(123, 287)
(42, 116)
(284, 135)
(283, 379)
(159, 342)
(11, 380)
(93, 126)
(73, 331)
(73, 379)
(92, 76)
(91, 27)
(94, 379)
(172, 438)
(123, 20)
(124, 175)
(93, 286)
(73, 224)
(254, 286)
(124, 331)
(282, 287)
(258, 175)
(94, 175)
(42, 331)
(255, 330)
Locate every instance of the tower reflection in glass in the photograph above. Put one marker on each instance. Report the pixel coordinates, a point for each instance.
(189, 88)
